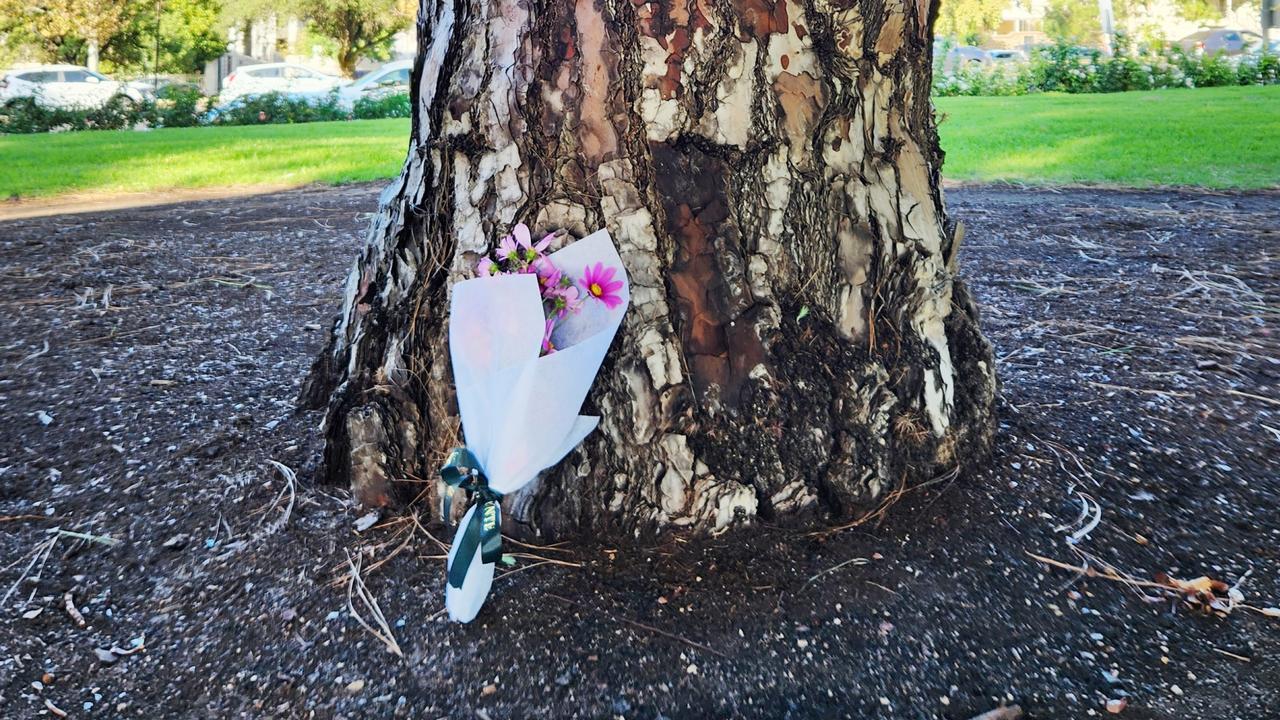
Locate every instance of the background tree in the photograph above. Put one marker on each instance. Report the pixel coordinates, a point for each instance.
(359, 28)
(242, 14)
(968, 20)
(117, 33)
(191, 34)
(1075, 21)
(798, 344)
(69, 30)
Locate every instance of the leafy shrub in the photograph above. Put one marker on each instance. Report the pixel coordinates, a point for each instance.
(1070, 69)
(1065, 68)
(25, 115)
(277, 108)
(385, 106)
(179, 106)
(1263, 70)
(1214, 71)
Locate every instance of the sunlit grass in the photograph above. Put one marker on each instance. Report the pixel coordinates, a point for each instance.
(1209, 137)
(123, 161)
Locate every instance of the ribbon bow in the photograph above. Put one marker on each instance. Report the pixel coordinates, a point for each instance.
(484, 530)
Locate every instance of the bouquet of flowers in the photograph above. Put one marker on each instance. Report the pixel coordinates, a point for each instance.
(526, 339)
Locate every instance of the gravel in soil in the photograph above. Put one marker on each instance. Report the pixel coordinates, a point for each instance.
(156, 562)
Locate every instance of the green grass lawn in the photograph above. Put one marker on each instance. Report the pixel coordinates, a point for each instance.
(122, 160)
(1211, 137)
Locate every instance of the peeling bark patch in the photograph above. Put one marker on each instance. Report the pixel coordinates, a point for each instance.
(597, 68)
(720, 343)
(761, 18)
(671, 24)
(801, 98)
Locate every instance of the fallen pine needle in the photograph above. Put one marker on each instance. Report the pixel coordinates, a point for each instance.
(1009, 712)
(1232, 655)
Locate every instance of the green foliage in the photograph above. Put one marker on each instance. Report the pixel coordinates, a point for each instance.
(276, 108)
(1202, 11)
(1073, 20)
(387, 106)
(61, 31)
(25, 115)
(1071, 69)
(1005, 79)
(359, 28)
(968, 20)
(179, 106)
(191, 35)
(182, 105)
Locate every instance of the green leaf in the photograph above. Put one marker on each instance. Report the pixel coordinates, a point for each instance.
(508, 560)
(804, 313)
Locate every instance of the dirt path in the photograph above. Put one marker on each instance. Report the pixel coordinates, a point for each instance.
(1137, 341)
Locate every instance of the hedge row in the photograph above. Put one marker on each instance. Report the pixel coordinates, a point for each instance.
(184, 106)
(1063, 68)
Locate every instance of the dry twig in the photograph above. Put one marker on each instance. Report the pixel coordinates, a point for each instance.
(356, 588)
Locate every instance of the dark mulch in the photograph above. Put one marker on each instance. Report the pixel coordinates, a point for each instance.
(1136, 337)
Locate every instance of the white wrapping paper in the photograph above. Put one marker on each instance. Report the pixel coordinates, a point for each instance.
(520, 411)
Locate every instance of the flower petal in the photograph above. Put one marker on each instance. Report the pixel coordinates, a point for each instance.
(521, 232)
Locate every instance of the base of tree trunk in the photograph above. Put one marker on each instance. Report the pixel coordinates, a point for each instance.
(798, 345)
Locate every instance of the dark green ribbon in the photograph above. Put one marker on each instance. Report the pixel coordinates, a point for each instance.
(484, 530)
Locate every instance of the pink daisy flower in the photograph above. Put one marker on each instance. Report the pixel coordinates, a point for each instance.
(599, 284)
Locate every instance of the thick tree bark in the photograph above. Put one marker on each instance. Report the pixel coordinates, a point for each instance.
(798, 343)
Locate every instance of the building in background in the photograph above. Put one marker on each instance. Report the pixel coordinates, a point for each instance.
(1021, 25)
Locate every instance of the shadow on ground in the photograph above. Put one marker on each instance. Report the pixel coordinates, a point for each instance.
(150, 362)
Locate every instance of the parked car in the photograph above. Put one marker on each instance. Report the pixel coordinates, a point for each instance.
(390, 79)
(284, 78)
(67, 87)
(1220, 40)
(965, 56)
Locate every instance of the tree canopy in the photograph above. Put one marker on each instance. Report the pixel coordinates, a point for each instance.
(359, 28)
(967, 20)
(1075, 21)
(124, 31)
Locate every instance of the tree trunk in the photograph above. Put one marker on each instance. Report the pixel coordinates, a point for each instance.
(91, 61)
(798, 345)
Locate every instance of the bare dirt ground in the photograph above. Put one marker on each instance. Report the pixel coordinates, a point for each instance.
(155, 563)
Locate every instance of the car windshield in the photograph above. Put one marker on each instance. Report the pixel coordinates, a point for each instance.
(43, 76)
(391, 77)
(80, 76)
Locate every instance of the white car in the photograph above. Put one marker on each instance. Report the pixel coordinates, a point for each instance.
(390, 79)
(65, 86)
(285, 78)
